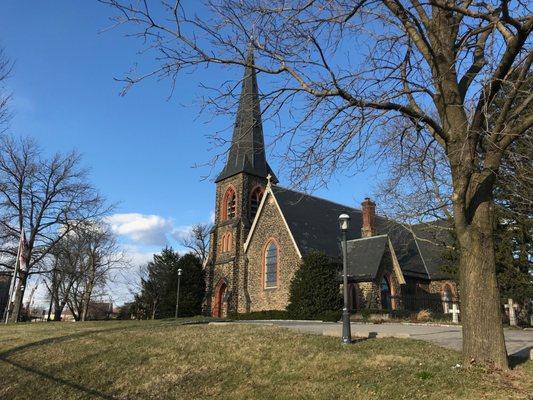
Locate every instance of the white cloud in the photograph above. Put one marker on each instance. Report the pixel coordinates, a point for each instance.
(137, 257)
(181, 232)
(141, 228)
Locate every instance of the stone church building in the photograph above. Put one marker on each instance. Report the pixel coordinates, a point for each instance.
(262, 230)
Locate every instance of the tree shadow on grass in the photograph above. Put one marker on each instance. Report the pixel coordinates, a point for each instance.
(520, 357)
(4, 356)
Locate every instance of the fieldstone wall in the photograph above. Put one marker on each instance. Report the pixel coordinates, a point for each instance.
(368, 295)
(269, 226)
(438, 287)
(230, 265)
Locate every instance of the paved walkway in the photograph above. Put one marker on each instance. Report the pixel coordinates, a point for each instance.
(519, 342)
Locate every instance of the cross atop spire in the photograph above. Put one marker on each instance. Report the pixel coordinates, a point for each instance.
(247, 151)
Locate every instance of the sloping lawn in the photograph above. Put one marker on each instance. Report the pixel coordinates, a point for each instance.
(167, 360)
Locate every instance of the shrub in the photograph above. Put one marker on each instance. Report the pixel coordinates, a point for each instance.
(423, 316)
(400, 314)
(367, 312)
(330, 316)
(314, 288)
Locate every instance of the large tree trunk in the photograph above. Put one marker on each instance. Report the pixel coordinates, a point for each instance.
(59, 307)
(19, 296)
(154, 307)
(86, 299)
(483, 339)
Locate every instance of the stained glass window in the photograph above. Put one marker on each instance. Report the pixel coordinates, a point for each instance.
(271, 265)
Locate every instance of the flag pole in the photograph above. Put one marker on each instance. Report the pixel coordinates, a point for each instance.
(10, 304)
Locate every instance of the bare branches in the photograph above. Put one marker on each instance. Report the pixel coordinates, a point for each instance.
(45, 197)
(197, 240)
(6, 67)
(345, 70)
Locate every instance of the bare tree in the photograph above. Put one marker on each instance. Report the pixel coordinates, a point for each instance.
(6, 67)
(45, 197)
(197, 240)
(93, 253)
(67, 270)
(345, 70)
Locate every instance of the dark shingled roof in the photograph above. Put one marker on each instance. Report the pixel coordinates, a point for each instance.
(247, 151)
(364, 257)
(313, 223)
(434, 256)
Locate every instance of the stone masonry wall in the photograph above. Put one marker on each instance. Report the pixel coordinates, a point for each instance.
(270, 226)
(369, 293)
(230, 265)
(438, 287)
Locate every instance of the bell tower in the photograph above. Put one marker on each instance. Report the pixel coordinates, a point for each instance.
(239, 188)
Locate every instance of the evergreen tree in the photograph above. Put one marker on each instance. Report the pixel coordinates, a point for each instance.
(315, 288)
(192, 285)
(157, 298)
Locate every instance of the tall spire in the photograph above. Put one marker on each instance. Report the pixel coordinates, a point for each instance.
(247, 151)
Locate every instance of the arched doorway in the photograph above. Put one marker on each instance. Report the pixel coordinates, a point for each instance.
(218, 304)
(353, 299)
(447, 299)
(385, 293)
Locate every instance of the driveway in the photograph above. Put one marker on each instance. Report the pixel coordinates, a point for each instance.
(519, 342)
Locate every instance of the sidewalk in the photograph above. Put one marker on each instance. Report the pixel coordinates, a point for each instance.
(519, 342)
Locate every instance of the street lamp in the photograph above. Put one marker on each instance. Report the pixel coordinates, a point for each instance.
(178, 293)
(344, 224)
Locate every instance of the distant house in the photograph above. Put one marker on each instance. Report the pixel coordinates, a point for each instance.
(99, 310)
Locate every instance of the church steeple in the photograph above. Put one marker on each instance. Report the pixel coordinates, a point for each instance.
(247, 151)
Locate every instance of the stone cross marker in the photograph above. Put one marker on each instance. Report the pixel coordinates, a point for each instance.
(511, 306)
(455, 313)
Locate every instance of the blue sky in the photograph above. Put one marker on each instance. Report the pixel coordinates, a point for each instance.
(140, 148)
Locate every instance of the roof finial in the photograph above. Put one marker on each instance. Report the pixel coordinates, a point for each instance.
(269, 179)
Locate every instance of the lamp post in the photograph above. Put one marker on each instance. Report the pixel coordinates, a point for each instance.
(178, 293)
(344, 223)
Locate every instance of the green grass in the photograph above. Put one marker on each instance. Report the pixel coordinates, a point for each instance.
(166, 360)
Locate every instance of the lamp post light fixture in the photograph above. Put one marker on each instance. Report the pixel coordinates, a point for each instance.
(178, 293)
(344, 224)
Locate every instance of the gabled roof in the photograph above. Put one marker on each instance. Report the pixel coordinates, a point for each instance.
(247, 151)
(364, 257)
(431, 240)
(314, 221)
(313, 225)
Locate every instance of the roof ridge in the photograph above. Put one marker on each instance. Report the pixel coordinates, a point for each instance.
(316, 197)
(369, 237)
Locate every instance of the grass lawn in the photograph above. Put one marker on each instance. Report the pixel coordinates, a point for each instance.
(167, 360)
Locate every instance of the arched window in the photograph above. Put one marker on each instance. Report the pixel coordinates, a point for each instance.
(226, 242)
(229, 238)
(255, 200)
(229, 204)
(353, 298)
(271, 265)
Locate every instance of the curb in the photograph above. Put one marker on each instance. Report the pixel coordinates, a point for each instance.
(366, 335)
